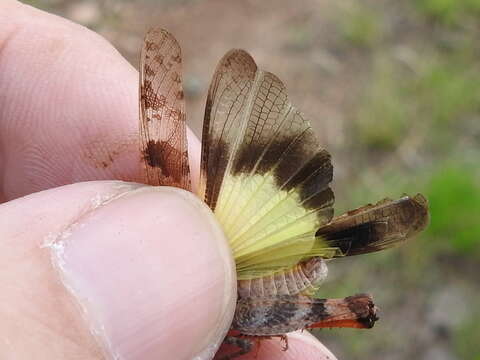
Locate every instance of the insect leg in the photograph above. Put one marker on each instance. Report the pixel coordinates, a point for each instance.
(284, 338)
(245, 345)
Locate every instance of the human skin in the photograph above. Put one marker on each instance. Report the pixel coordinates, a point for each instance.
(94, 270)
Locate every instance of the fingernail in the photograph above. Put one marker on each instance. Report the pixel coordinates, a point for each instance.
(153, 273)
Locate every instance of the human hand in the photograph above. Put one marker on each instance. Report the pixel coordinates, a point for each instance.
(96, 269)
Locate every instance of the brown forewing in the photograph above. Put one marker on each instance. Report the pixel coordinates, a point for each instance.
(162, 112)
(376, 227)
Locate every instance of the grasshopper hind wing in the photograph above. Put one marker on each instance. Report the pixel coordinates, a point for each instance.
(263, 171)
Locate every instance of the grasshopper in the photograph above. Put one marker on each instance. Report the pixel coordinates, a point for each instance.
(266, 177)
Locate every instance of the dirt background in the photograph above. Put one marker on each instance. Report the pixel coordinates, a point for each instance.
(393, 90)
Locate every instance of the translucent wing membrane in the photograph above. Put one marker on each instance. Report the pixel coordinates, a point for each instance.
(225, 108)
(376, 227)
(263, 171)
(162, 112)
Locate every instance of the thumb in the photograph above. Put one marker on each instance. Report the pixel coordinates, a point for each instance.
(113, 269)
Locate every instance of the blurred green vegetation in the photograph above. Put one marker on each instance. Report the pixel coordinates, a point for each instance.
(380, 119)
(360, 25)
(454, 195)
(449, 12)
(441, 92)
(447, 89)
(466, 338)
